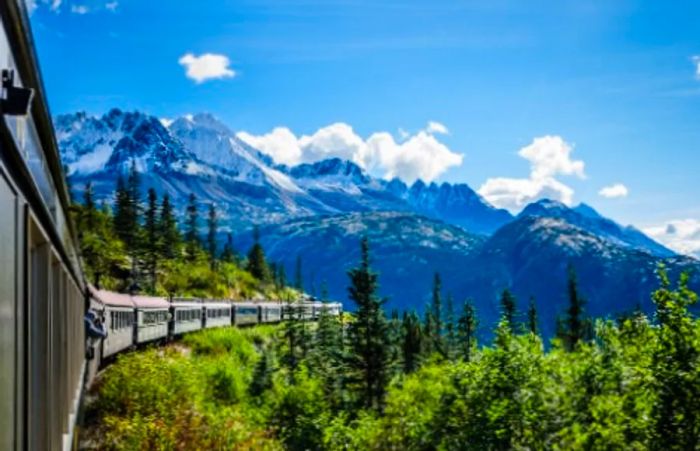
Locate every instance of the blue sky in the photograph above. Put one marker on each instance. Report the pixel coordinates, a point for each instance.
(612, 85)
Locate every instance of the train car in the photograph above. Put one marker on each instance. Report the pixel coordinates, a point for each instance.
(152, 318)
(245, 313)
(270, 312)
(217, 314)
(119, 317)
(187, 316)
(42, 289)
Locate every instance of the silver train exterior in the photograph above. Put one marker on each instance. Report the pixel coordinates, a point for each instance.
(134, 320)
(42, 290)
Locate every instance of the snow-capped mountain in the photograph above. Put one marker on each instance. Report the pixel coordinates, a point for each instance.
(585, 217)
(199, 154)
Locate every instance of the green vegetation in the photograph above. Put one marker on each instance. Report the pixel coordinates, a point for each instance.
(369, 382)
(139, 246)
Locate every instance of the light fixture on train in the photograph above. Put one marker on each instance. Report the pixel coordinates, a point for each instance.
(15, 100)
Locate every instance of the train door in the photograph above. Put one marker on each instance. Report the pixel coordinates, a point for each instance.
(38, 326)
(10, 346)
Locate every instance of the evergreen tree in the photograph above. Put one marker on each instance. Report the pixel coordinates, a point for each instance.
(89, 207)
(262, 375)
(292, 335)
(191, 226)
(151, 238)
(167, 229)
(257, 265)
(282, 274)
(124, 215)
(450, 333)
(575, 326)
(508, 309)
(436, 307)
(298, 276)
(368, 334)
(532, 317)
(211, 235)
(466, 330)
(228, 255)
(428, 344)
(412, 341)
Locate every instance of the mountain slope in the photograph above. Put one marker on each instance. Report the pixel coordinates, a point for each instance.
(199, 154)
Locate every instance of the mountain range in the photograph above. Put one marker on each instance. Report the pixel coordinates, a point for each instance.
(320, 210)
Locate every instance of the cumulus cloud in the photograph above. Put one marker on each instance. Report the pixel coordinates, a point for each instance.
(79, 9)
(207, 66)
(436, 127)
(683, 235)
(614, 191)
(549, 156)
(418, 156)
(111, 6)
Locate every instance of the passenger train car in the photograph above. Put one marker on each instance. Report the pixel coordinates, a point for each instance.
(42, 293)
(134, 320)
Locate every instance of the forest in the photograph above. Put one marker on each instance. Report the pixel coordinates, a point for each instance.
(371, 379)
(375, 381)
(137, 245)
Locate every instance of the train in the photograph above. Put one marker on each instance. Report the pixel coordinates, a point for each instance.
(133, 320)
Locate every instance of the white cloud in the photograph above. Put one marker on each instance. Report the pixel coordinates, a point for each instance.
(614, 191)
(549, 156)
(696, 62)
(79, 9)
(436, 127)
(419, 156)
(111, 6)
(207, 66)
(682, 235)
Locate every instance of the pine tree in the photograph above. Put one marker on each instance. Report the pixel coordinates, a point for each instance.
(282, 274)
(412, 341)
(508, 309)
(257, 265)
(192, 218)
(428, 343)
(151, 241)
(228, 255)
(167, 229)
(292, 335)
(575, 326)
(124, 215)
(211, 235)
(262, 375)
(89, 207)
(466, 330)
(532, 317)
(436, 307)
(368, 334)
(450, 335)
(298, 275)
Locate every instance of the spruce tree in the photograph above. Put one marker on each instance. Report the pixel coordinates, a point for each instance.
(368, 335)
(257, 265)
(576, 327)
(436, 307)
(466, 330)
(228, 255)
(167, 229)
(532, 317)
(450, 335)
(282, 274)
(508, 309)
(412, 341)
(124, 225)
(298, 275)
(211, 235)
(191, 226)
(151, 237)
(89, 207)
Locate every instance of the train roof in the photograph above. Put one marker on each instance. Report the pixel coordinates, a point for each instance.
(150, 302)
(111, 298)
